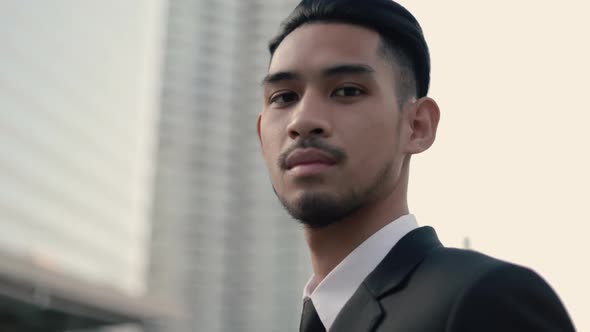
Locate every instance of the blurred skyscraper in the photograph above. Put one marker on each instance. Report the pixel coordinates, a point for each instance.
(78, 114)
(222, 247)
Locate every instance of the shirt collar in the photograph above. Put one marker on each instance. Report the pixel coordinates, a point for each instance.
(332, 293)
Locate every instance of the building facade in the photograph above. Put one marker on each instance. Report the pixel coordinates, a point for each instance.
(78, 113)
(222, 245)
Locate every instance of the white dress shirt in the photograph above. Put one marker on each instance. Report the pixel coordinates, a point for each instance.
(330, 295)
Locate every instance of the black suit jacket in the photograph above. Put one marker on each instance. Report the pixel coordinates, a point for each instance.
(422, 286)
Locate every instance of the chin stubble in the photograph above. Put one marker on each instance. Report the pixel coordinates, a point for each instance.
(317, 210)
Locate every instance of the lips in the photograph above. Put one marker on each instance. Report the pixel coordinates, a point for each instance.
(309, 156)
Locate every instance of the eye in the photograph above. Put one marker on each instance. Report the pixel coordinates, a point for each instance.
(283, 98)
(347, 91)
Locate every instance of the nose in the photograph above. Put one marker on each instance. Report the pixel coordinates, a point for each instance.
(310, 118)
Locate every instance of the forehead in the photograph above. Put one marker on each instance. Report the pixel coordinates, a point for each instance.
(314, 46)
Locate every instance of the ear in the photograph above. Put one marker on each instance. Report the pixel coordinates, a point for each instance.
(258, 128)
(423, 117)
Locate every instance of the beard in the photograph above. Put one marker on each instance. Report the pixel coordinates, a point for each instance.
(320, 209)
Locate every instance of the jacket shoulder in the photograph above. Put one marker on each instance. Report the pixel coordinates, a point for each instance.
(449, 271)
(488, 294)
(461, 260)
(462, 290)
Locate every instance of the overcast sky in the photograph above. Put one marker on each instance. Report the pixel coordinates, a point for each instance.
(510, 168)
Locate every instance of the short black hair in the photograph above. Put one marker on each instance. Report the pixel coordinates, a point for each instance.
(402, 39)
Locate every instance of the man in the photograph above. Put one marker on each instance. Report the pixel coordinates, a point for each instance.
(345, 108)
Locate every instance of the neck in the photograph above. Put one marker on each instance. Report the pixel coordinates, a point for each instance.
(329, 245)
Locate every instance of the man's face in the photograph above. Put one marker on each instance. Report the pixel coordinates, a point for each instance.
(330, 126)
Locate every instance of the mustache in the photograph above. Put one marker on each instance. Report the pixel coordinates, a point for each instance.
(313, 142)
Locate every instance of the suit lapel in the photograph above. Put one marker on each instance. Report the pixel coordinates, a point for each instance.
(363, 312)
(403, 258)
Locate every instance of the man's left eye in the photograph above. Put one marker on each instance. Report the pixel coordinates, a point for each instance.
(348, 91)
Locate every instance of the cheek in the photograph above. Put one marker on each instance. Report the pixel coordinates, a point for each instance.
(373, 145)
(270, 137)
(269, 152)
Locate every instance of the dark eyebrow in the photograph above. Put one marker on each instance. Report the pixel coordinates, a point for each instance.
(280, 76)
(343, 69)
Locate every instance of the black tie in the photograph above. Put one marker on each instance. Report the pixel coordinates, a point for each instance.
(310, 321)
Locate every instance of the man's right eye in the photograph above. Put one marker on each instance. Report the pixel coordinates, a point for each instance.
(283, 98)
